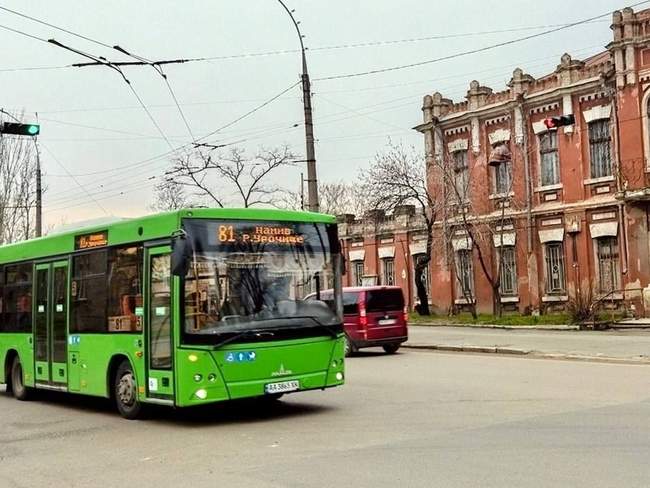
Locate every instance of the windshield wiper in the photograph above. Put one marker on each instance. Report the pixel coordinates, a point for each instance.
(246, 333)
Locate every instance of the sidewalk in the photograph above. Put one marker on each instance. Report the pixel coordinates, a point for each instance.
(625, 346)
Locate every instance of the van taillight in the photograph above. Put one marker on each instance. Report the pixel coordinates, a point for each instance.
(363, 319)
(406, 315)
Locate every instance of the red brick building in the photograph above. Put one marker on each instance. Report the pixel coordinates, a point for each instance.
(568, 208)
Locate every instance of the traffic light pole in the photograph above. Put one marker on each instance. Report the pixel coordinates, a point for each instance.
(29, 130)
(312, 180)
(39, 194)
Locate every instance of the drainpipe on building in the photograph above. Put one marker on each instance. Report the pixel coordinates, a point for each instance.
(529, 193)
(622, 209)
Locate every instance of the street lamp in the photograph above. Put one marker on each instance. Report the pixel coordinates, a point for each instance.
(30, 130)
(312, 182)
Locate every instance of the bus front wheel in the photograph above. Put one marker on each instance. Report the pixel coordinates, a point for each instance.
(125, 391)
(21, 392)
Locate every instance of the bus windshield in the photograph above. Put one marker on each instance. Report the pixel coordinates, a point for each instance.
(252, 276)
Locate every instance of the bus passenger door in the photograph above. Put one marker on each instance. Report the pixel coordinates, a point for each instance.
(51, 324)
(158, 324)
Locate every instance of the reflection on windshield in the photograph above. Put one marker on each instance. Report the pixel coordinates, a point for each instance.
(233, 285)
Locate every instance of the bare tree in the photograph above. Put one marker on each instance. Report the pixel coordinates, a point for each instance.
(335, 198)
(17, 188)
(400, 177)
(171, 195)
(232, 178)
(484, 235)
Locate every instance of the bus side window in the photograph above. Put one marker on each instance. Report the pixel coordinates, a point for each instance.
(88, 292)
(17, 298)
(125, 289)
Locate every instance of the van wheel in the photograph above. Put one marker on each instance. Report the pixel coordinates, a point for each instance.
(20, 391)
(391, 348)
(125, 391)
(349, 348)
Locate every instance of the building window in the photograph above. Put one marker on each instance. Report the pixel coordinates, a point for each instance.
(549, 159)
(461, 175)
(503, 177)
(508, 271)
(608, 265)
(464, 274)
(554, 267)
(358, 273)
(600, 148)
(388, 271)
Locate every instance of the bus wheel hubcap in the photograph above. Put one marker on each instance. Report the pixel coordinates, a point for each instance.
(126, 390)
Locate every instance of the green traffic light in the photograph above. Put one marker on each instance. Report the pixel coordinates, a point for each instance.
(32, 130)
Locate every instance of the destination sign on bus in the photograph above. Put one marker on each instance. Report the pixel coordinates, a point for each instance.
(259, 234)
(90, 241)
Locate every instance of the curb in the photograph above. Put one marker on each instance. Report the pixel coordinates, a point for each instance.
(506, 327)
(529, 353)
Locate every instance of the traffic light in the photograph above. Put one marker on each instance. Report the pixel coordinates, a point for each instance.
(18, 129)
(555, 122)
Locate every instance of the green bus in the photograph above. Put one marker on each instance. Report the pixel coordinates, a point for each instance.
(181, 308)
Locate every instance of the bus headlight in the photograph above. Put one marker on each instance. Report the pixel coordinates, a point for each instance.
(198, 377)
(339, 376)
(201, 394)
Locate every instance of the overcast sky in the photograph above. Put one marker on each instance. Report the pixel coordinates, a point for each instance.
(94, 129)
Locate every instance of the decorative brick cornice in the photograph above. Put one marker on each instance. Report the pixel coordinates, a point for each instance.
(592, 96)
(497, 120)
(545, 108)
(457, 130)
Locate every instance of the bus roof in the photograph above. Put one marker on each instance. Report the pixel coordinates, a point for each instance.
(149, 227)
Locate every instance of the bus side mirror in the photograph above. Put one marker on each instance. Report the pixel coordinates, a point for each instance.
(180, 248)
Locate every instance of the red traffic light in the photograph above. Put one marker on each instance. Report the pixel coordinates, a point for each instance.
(555, 122)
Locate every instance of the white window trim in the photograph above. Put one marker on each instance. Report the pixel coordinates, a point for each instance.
(557, 186)
(497, 196)
(508, 238)
(357, 255)
(458, 145)
(551, 235)
(499, 135)
(601, 179)
(386, 252)
(555, 298)
(510, 299)
(598, 112)
(603, 229)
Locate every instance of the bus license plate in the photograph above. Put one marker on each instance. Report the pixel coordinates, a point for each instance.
(282, 387)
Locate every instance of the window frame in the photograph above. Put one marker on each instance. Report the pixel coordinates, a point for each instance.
(388, 271)
(598, 168)
(546, 153)
(512, 270)
(501, 170)
(358, 278)
(465, 263)
(460, 168)
(549, 287)
(612, 258)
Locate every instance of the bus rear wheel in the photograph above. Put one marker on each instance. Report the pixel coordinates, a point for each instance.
(125, 391)
(20, 391)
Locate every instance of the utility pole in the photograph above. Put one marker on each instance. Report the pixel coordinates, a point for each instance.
(312, 181)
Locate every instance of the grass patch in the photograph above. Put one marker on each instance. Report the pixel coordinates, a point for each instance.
(488, 319)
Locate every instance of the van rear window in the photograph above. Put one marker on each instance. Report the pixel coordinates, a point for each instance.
(383, 300)
(350, 303)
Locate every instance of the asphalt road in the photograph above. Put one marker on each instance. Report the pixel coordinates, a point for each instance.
(416, 419)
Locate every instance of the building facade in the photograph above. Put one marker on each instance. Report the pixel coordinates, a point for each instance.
(382, 249)
(553, 213)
